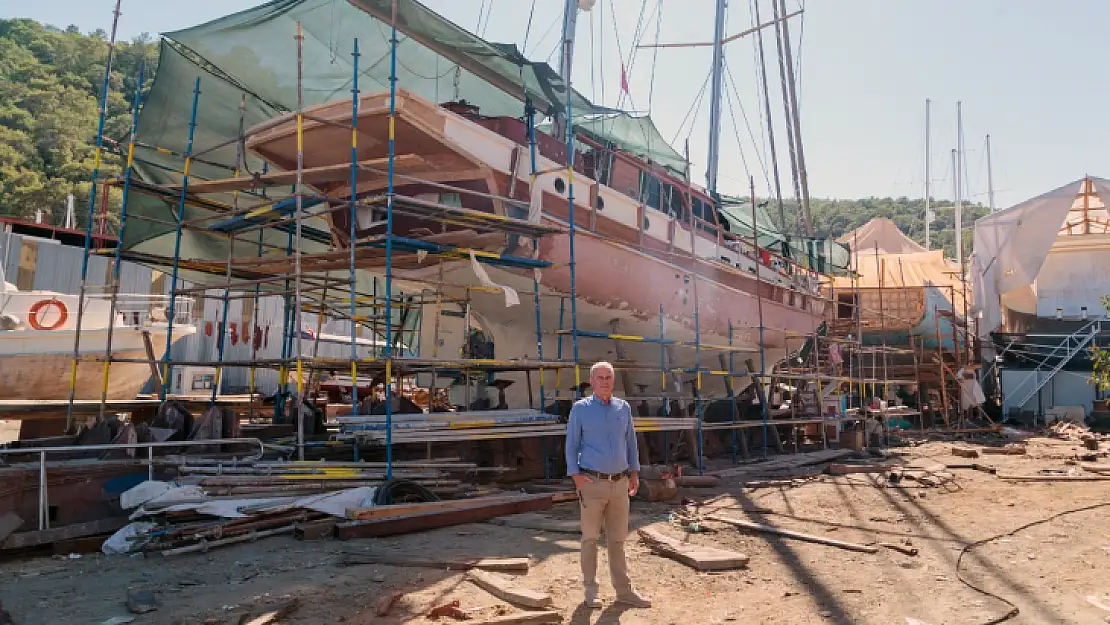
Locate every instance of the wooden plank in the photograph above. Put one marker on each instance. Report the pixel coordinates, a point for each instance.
(1054, 478)
(837, 468)
(770, 529)
(538, 522)
(787, 462)
(311, 175)
(420, 521)
(1095, 468)
(77, 530)
(519, 565)
(507, 589)
(523, 618)
(155, 370)
(381, 512)
(273, 615)
(698, 557)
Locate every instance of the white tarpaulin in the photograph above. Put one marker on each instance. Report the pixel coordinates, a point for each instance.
(1011, 246)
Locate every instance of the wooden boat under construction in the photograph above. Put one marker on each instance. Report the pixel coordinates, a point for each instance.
(651, 253)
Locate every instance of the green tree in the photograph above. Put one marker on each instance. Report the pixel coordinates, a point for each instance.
(50, 84)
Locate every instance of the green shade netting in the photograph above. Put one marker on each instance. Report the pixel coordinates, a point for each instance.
(635, 134)
(253, 53)
(822, 255)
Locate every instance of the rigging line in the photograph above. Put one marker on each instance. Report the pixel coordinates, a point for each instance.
(528, 29)
(763, 93)
(593, 82)
(543, 36)
(736, 130)
(627, 67)
(697, 99)
(747, 124)
(601, 49)
(481, 9)
(798, 63)
(655, 53)
(489, 13)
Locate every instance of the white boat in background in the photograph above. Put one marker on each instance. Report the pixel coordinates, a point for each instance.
(38, 329)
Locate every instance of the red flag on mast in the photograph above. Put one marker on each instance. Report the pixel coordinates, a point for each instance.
(624, 81)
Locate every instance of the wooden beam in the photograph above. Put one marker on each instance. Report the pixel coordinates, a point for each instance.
(55, 534)
(698, 557)
(155, 370)
(743, 33)
(312, 175)
(381, 512)
(522, 618)
(421, 521)
(517, 565)
(507, 589)
(770, 529)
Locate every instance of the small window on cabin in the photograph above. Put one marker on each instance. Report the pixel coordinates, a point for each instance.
(560, 186)
(600, 203)
(650, 190)
(450, 199)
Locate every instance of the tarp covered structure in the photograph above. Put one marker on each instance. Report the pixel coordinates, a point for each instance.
(1011, 245)
(884, 234)
(253, 55)
(636, 134)
(915, 269)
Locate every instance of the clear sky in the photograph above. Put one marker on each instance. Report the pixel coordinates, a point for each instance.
(1028, 73)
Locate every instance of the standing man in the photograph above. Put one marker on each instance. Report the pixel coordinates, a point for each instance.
(604, 463)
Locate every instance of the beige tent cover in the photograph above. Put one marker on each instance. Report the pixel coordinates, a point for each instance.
(883, 232)
(907, 270)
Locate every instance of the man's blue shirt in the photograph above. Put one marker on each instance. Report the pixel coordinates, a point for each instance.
(601, 436)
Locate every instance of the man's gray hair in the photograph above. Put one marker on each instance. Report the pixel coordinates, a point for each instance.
(601, 365)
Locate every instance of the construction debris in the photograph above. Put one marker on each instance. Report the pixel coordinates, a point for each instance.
(141, 601)
(479, 510)
(387, 602)
(1012, 449)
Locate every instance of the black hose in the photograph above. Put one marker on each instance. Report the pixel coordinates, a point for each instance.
(402, 491)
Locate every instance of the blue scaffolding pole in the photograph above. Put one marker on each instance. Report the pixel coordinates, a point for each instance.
(103, 112)
(167, 365)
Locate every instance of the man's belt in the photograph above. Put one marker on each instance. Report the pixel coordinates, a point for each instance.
(608, 477)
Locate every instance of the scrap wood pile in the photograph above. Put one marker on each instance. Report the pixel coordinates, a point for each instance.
(1079, 433)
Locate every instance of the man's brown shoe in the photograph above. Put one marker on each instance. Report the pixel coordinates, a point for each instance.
(635, 600)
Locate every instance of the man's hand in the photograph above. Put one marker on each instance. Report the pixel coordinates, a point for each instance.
(633, 483)
(580, 480)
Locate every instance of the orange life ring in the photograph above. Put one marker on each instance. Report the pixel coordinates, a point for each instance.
(35, 313)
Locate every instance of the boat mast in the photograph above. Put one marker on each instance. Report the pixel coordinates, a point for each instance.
(957, 164)
(566, 61)
(928, 182)
(803, 178)
(990, 176)
(770, 120)
(715, 96)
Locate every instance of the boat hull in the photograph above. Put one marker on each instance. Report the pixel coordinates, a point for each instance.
(37, 365)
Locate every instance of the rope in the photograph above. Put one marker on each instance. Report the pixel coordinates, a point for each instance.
(736, 130)
(1014, 611)
(528, 29)
(696, 103)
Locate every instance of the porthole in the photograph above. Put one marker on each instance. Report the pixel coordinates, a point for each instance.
(647, 223)
(560, 186)
(600, 203)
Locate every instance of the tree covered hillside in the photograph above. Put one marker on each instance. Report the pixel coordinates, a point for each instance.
(50, 82)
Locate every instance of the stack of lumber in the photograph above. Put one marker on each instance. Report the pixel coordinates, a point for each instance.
(477, 425)
(785, 463)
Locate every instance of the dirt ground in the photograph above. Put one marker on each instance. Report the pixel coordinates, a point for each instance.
(1048, 570)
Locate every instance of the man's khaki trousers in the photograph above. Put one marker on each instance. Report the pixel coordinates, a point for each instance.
(605, 503)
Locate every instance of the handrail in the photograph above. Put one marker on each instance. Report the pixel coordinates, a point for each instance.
(44, 511)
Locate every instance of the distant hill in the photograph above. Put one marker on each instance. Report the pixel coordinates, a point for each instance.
(50, 81)
(834, 218)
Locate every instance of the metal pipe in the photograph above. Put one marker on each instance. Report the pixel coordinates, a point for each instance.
(715, 96)
(759, 304)
(928, 182)
(354, 232)
(91, 213)
(389, 242)
(167, 366)
(116, 265)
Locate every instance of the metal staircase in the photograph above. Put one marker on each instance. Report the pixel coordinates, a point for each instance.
(1071, 345)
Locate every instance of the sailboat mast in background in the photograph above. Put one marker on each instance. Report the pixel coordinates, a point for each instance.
(928, 181)
(715, 96)
(990, 177)
(957, 164)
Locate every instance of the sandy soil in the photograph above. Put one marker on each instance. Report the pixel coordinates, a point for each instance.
(1047, 570)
